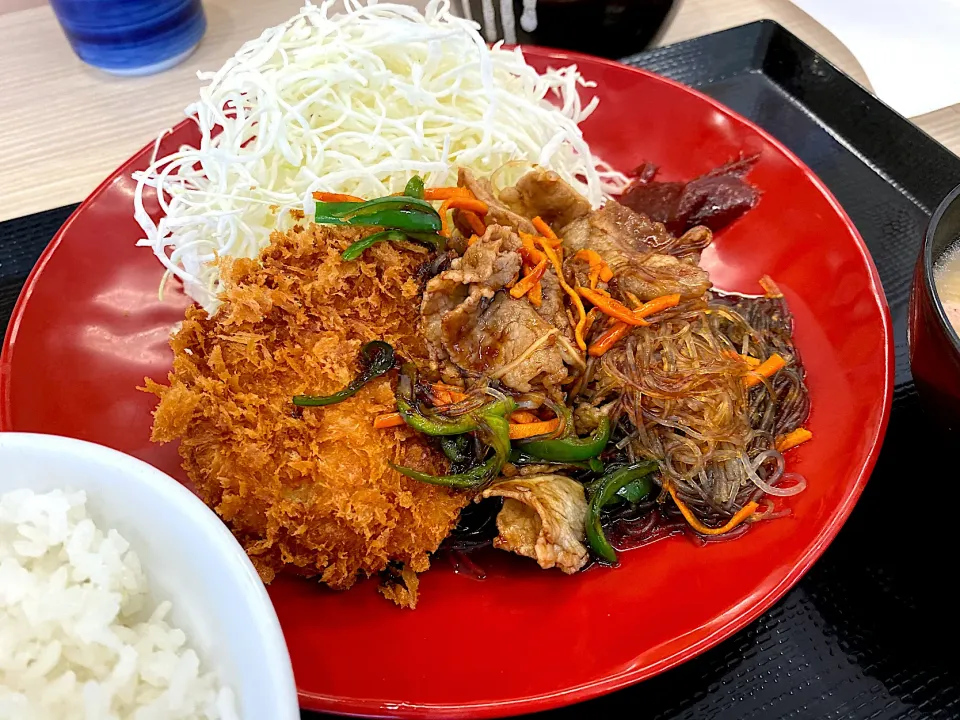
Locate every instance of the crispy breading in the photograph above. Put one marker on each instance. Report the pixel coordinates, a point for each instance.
(308, 490)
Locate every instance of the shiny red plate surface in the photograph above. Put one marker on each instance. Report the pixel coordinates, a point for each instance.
(89, 327)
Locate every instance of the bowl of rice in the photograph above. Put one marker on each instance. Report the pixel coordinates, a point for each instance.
(123, 596)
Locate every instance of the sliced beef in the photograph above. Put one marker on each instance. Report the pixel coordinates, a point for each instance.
(544, 518)
(508, 341)
(497, 213)
(627, 240)
(473, 327)
(545, 194)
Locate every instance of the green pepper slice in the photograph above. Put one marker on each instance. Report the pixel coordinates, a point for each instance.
(414, 187)
(375, 359)
(603, 491)
(571, 449)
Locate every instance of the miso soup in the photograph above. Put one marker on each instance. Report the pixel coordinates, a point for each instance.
(946, 277)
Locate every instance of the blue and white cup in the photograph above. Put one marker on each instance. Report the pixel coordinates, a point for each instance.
(132, 37)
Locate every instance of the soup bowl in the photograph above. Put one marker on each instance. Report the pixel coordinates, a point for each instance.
(933, 340)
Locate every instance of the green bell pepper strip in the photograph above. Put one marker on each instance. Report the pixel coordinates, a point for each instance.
(392, 219)
(637, 490)
(518, 457)
(437, 242)
(604, 490)
(414, 187)
(571, 449)
(376, 358)
(455, 448)
(495, 431)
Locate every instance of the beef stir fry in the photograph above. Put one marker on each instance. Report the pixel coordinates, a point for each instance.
(586, 382)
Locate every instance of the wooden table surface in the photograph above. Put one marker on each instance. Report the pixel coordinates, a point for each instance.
(65, 126)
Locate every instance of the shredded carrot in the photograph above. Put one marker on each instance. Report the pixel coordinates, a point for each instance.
(770, 287)
(748, 359)
(335, 197)
(445, 395)
(611, 307)
(445, 193)
(546, 231)
(612, 335)
(658, 304)
(388, 420)
(578, 303)
(474, 221)
(591, 319)
(535, 296)
(473, 239)
(792, 439)
(764, 370)
(529, 249)
(529, 280)
(599, 270)
(518, 431)
(523, 416)
(609, 338)
(742, 515)
(459, 202)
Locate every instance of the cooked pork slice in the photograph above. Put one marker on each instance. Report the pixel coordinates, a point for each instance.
(481, 331)
(545, 194)
(626, 241)
(498, 213)
(544, 518)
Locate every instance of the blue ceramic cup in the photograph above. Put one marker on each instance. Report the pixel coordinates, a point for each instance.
(132, 37)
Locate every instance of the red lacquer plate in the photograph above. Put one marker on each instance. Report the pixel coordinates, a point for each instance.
(89, 327)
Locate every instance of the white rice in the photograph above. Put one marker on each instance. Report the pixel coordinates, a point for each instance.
(79, 635)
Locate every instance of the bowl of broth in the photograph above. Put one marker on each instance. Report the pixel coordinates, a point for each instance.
(933, 330)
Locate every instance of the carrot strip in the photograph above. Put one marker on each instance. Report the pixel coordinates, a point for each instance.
(611, 307)
(459, 202)
(578, 303)
(472, 241)
(530, 249)
(518, 431)
(523, 416)
(546, 230)
(445, 193)
(770, 288)
(764, 370)
(535, 296)
(474, 221)
(748, 359)
(609, 338)
(792, 439)
(529, 280)
(658, 304)
(599, 270)
(335, 197)
(388, 420)
(454, 393)
(613, 335)
(742, 515)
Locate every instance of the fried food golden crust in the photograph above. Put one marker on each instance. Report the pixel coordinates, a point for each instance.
(307, 490)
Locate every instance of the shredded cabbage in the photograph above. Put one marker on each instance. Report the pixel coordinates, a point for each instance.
(353, 103)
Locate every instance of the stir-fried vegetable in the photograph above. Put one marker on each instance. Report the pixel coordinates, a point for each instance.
(745, 512)
(414, 187)
(571, 448)
(605, 490)
(494, 431)
(375, 359)
(487, 420)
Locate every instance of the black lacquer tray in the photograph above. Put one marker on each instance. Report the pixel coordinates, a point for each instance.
(872, 630)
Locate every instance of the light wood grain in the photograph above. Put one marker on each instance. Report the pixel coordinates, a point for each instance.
(65, 126)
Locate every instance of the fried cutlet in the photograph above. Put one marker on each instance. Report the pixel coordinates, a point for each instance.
(307, 490)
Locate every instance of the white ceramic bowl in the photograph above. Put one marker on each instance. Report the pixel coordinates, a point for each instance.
(189, 556)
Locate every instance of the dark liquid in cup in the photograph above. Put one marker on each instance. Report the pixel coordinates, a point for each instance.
(608, 28)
